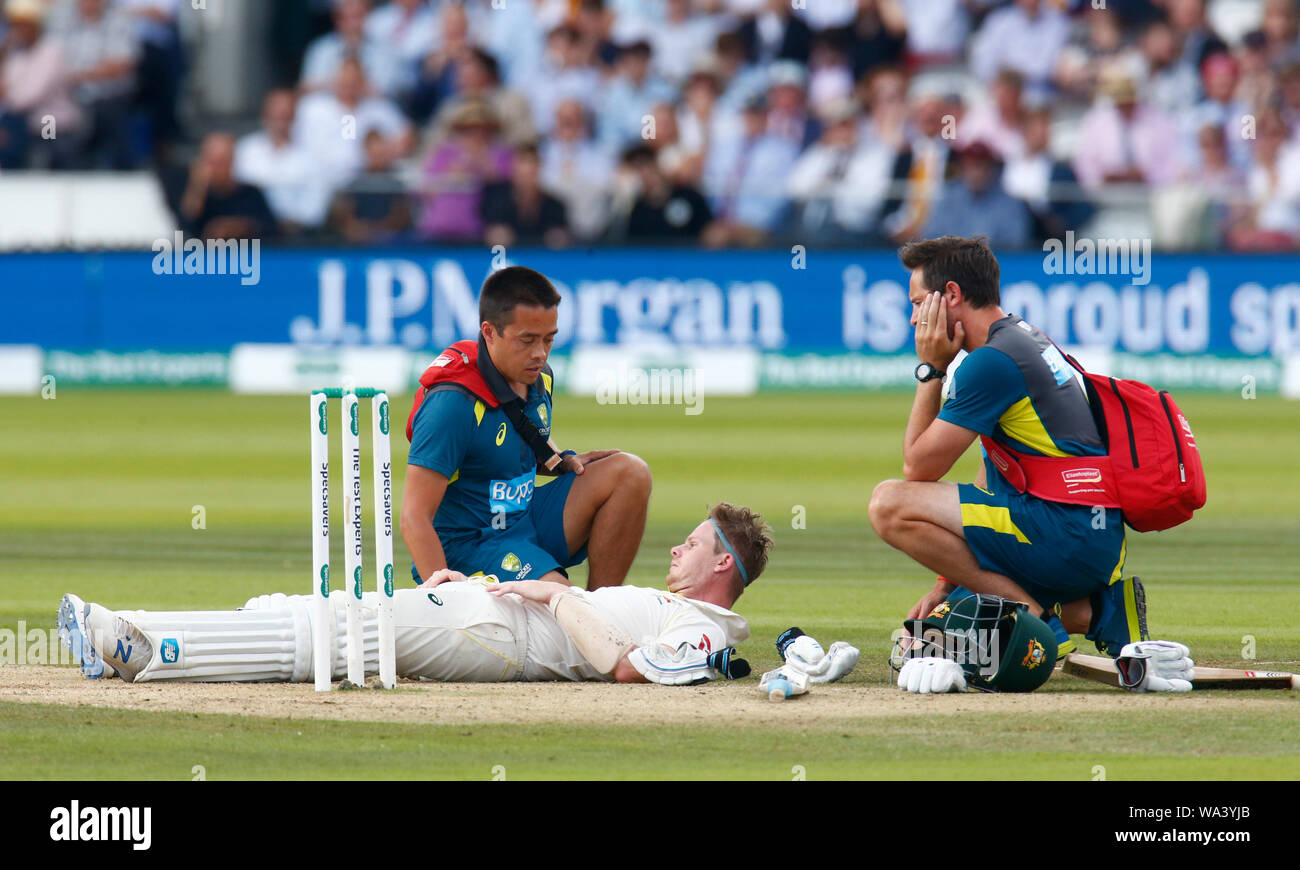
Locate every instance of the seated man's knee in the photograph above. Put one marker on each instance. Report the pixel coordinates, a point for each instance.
(633, 472)
(883, 509)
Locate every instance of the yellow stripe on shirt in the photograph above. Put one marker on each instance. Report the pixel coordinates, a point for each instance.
(1022, 423)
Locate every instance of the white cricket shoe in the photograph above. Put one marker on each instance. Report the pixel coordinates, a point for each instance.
(74, 635)
(117, 641)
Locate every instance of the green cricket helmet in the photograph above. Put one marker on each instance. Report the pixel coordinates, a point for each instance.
(999, 644)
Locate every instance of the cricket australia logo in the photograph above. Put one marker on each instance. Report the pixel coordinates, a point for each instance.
(511, 563)
(942, 609)
(1035, 655)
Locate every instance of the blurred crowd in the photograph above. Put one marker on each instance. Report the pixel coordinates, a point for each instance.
(714, 122)
(87, 84)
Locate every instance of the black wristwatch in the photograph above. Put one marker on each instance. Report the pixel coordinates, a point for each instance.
(926, 372)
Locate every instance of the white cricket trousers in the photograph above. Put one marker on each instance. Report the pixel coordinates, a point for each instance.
(455, 632)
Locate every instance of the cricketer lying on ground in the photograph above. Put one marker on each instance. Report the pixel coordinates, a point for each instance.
(474, 630)
(471, 630)
(457, 632)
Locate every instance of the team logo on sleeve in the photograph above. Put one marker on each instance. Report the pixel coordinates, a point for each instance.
(541, 413)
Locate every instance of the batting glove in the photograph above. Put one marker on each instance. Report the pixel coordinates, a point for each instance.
(931, 676)
(804, 654)
(1155, 666)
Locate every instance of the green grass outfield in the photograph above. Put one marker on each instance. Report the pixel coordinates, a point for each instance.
(103, 490)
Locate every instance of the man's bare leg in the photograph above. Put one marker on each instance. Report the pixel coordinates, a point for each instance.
(606, 510)
(1076, 616)
(923, 519)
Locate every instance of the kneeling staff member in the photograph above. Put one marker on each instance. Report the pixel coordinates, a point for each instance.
(475, 630)
(1063, 561)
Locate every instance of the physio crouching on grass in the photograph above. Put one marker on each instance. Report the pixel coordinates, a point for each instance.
(480, 433)
(1063, 562)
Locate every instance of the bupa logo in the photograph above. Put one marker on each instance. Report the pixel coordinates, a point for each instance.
(171, 650)
(509, 496)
